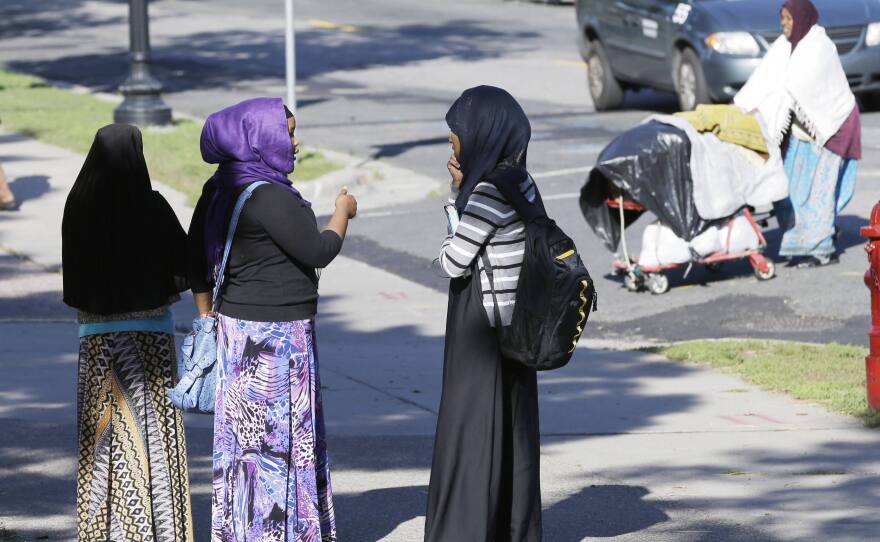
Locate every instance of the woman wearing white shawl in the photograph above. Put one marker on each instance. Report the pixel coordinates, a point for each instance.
(801, 91)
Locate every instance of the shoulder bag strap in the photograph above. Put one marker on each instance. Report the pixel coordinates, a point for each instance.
(233, 224)
(487, 266)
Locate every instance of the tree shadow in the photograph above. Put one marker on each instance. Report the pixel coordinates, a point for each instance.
(831, 486)
(396, 149)
(39, 299)
(398, 366)
(24, 18)
(207, 60)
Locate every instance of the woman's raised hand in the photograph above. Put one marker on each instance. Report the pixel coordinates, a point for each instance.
(455, 171)
(346, 203)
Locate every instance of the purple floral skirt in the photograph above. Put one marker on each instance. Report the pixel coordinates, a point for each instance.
(271, 471)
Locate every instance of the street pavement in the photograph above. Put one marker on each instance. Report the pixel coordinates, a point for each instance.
(634, 447)
(375, 81)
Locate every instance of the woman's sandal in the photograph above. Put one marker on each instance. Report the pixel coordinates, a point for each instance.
(809, 262)
(9, 206)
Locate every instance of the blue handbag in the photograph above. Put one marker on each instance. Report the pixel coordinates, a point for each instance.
(197, 363)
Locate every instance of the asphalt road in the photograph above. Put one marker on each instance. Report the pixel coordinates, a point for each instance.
(376, 79)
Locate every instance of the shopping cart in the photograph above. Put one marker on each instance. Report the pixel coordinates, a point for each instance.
(654, 278)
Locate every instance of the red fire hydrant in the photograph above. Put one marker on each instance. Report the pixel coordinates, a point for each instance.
(872, 281)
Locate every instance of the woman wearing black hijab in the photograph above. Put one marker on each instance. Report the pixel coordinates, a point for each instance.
(124, 261)
(485, 478)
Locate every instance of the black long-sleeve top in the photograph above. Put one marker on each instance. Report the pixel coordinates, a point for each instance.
(271, 274)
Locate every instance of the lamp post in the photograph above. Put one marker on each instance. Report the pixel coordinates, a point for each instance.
(290, 55)
(142, 104)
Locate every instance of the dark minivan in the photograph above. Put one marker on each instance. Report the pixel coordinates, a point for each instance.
(705, 50)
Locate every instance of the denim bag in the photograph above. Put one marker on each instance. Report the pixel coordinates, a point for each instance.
(197, 363)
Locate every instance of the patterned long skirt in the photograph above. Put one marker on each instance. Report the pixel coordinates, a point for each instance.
(132, 482)
(821, 184)
(271, 471)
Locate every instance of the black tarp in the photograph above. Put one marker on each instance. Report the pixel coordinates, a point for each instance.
(649, 164)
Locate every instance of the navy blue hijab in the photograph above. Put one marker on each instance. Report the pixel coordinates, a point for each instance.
(494, 133)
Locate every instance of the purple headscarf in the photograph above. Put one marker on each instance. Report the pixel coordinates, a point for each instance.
(804, 16)
(250, 142)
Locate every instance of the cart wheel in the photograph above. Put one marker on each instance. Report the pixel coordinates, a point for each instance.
(714, 267)
(765, 275)
(657, 283)
(632, 282)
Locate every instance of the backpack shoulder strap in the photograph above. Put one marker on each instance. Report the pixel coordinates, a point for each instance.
(487, 267)
(233, 224)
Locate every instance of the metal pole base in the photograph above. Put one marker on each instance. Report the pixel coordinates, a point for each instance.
(143, 111)
(143, 105)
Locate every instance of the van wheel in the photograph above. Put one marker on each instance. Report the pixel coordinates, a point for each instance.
(604, 88)
(690, 83)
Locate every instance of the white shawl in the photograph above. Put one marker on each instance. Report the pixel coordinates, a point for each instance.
(811, 82)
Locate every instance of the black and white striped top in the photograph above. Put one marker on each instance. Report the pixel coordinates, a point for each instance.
(489, 223)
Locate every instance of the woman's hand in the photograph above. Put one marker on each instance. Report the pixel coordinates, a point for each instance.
(346, 203)
(455, 171)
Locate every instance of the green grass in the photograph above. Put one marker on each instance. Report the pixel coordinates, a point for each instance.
(69, 120)
(832, 375)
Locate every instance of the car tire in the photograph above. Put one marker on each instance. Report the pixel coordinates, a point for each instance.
(690, 82)
(604, 88)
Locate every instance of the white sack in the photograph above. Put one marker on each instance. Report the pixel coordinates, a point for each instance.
(742, 237)
(725, 177)
(660, 246)
(708, 242)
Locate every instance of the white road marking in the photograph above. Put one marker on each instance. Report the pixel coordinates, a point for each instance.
(562, 172)
(568, 195)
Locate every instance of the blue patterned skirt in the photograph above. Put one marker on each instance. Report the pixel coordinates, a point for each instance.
(271, 471)
(821, 184)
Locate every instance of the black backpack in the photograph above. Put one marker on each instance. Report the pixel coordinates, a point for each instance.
(554, 295)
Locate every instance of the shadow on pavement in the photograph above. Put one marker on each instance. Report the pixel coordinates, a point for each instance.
(372, 515)
(833, 486)
(380, 422)
(207, 60)
(29, 188)
(604, 511)
(24, 18)
(396, 149)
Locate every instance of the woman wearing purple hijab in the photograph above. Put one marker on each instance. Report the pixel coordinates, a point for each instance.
(802, 93)
(271, 470)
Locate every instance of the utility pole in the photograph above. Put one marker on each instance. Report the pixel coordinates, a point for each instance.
(142, 104)
(290, 56)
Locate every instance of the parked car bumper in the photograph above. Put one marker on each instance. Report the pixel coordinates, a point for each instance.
(726, 74)
(862, 68)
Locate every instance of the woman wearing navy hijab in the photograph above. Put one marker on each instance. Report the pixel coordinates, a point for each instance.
(485, 473)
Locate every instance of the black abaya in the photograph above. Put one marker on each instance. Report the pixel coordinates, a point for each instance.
(485, 477)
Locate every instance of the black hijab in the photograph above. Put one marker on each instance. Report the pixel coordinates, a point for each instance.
(123, 249)
(494, 133)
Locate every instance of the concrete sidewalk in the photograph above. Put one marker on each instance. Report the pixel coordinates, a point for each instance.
(634, 447)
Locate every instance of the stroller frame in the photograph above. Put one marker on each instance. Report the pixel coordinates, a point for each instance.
(636, 277)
